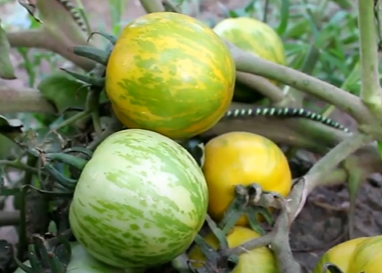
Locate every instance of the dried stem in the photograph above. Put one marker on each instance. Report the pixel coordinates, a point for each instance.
(370, 89)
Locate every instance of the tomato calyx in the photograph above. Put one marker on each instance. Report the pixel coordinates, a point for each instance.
(77, 163)
(47, 255)
(245, 203)
(216, 259)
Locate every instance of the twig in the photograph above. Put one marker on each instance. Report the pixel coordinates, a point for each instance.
(340, 152)
(152, 5)
(23, 100)
(261, 85)
(18, 165)
(370, 88)
(343, 100)
(42, 38)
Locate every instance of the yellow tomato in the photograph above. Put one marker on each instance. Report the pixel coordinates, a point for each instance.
(354, 256)
(258, 260)
(242, 158)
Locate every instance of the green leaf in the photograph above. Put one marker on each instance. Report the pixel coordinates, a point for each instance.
(64, 91)
(11, 128)
(6, 68)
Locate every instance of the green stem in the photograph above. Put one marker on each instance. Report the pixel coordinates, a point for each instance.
(19, 165)
(343, 100)
(72, 119)
(370, 89)
(152, 5)
(262, 85)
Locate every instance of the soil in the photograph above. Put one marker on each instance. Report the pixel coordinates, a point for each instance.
(323, 221)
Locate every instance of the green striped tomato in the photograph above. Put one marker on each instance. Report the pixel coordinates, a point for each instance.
(140, 200)
(170, 73)
(254, 37)
(82, 262)
(354, 256)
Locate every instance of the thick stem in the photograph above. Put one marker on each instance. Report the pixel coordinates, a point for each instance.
(42, 38)
(152, 5)
(370, 89)
(340, 152)
(343, 100)
(9, 218)
(23, 100)
(261, 85)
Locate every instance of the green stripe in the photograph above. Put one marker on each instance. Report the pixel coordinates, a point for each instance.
(140, 200)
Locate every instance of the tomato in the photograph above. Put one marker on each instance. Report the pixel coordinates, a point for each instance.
(354, 256)
(170, 73)
(242, 158)
(140, 200)
(254, 37)
(82, 262)
(259, 260)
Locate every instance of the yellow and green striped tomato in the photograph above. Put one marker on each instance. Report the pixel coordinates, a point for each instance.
(170, 73)
(82, 262)
(140, 200)
(254, 37)
(354, 256)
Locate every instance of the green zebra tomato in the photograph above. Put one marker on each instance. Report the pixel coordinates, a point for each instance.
(140, 200)
(82, 262)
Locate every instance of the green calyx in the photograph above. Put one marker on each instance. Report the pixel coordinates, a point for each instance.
(100, 56)
(76, 162)
(45, 257)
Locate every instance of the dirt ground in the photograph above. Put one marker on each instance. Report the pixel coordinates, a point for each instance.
(323, 220)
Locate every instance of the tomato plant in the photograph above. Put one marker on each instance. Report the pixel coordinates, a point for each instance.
(140, 200)
(259, 260)
(83, 262)
(255, 37)
(170, 73)
(242, 158)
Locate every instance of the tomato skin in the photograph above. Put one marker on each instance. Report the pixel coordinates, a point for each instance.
(259, 260)
(170, 73)
(354, 256)
(140, 200)
(83, 262)
(254, 37)
(242, 158)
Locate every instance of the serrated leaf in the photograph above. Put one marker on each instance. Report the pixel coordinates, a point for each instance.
(6, 68)
(11, 128)
(64, 91)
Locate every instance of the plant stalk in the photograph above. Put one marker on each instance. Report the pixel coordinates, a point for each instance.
(370, 88)
(152, 5)
(23, 100)
(345, 101)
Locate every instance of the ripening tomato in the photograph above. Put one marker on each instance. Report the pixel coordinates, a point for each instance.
(257, 260)
(354, 256)
(242, 158)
